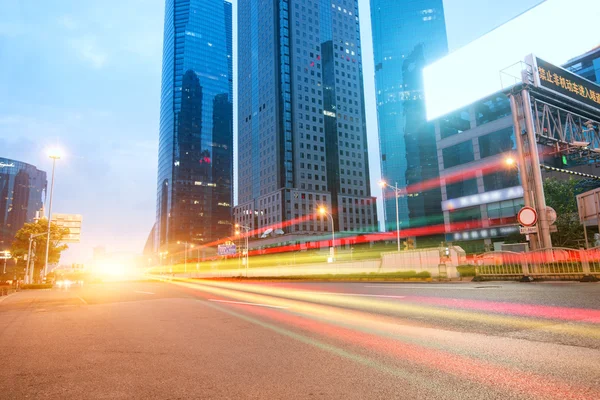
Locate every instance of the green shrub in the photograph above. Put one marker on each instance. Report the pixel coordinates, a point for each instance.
(37, 286)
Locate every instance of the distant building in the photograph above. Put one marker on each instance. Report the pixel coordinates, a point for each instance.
(22, 189)
(195, 171)
(484, 206)
(301, 129)
(407, 36)
(480, 207)
(587, 65)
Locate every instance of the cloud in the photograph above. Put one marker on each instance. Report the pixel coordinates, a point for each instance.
(88, 50)
(67, 22)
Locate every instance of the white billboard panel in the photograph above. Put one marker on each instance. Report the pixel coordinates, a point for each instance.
(555, 30)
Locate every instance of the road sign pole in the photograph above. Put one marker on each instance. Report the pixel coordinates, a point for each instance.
(534, 159)
(521, 154)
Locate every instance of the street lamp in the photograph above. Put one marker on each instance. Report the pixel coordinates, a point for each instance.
(323, 211)
(510, 161)
(186, 244)
(54, 154)
(247, 229)
(162, 255)
(29, 279)
(383, 184)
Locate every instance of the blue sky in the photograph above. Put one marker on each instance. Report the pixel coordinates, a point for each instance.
(85, 75)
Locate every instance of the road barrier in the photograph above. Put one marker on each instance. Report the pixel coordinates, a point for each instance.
(552, 263)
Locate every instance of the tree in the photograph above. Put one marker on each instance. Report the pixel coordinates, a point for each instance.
(561, 195)
(20, 245)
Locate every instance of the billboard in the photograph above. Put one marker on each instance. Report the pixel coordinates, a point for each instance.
(566, 84)
(72, 222)
(474, 71)
(227, 249)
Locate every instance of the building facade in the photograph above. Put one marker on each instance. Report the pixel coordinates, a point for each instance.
(407, 35)
(482, 194)
(22, 191)
(195, 171)
(479, 200)
(586, 65)
(301, 120)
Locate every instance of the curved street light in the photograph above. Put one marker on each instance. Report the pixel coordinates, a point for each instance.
(323, 211)
(54, 154)
(237, 232)
(383, 184)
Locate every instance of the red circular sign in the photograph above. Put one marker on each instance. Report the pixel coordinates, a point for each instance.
(527, 216)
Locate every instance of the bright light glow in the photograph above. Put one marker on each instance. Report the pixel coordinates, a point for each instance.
(474, 71)
(322, 210)
(237, 232)
(382, 183)
(112, 269)
(509, 161)
(54, 153)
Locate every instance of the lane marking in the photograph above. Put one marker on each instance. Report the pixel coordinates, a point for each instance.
(139, 291)
(362, 295)
(82, 300)
(421, 287)
(6, 296)
(247, 304)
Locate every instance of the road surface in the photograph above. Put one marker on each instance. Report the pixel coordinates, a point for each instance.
(190, 339)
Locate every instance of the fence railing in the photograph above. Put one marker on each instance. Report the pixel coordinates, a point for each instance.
(552, 262)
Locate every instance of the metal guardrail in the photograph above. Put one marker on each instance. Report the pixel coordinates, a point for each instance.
(544, 263)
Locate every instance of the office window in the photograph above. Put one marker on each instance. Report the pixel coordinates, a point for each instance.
(496, 142)
(458, 154)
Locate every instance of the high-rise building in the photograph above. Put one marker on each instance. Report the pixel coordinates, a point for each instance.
(301, 133)
(407, 35)
(195, 171)
(21, 189)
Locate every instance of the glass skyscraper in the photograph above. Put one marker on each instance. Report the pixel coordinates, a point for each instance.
(301, 121)
(21, 189)
(407, 35)
(195, 168)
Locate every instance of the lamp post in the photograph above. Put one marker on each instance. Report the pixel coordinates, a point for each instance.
(162, 255)
(246, 229)
(54, 154)
(29, 279)
(323, 211)
(185, 244)
(383, 184)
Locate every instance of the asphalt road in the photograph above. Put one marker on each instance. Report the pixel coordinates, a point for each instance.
(189, 339)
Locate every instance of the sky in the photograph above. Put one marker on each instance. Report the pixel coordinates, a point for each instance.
(85, 76)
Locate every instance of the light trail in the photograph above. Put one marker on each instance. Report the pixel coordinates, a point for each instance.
(378, 334)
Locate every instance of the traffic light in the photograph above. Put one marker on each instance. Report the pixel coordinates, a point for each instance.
(564, 160)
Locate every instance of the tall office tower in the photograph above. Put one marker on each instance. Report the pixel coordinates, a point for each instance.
(195, 172)
(22, 189)
(407, 35)
(301, 134)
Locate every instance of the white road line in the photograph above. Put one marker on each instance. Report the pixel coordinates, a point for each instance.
(82, 300)
(6, 297)
(139, 291)
(247, 304)
(361, 295)
(419, 287)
